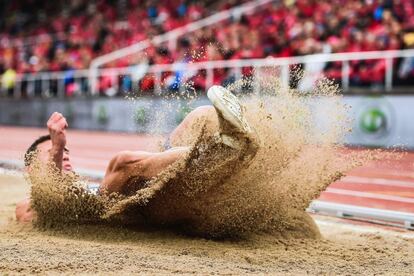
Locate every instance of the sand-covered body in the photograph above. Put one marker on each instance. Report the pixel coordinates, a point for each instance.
(214, 194)
(217, 191)
(101, 249)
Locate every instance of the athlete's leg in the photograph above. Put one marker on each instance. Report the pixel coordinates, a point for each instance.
(215, 158)
(186, 132)
(129, 170)
(233, 144)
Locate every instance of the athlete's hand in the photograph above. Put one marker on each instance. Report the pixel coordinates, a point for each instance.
(24, 213)
(57, 129)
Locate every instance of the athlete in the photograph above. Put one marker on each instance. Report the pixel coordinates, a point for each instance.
(127, 168)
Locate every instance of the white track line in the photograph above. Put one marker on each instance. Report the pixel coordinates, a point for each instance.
(96, 174)
(98, 157)
(374, 229)
(370, 195)
(391, 172)
(378, 181)
(4, 171)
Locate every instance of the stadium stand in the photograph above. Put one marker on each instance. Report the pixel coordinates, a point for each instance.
(66, 37)
(62, 35)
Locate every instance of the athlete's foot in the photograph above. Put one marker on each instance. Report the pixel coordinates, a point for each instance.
(234, 128)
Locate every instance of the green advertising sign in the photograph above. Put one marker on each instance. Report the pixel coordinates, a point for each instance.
(373, 120)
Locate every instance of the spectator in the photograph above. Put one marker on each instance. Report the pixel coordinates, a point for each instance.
(8, 80)
(406, 71)
(78, 31)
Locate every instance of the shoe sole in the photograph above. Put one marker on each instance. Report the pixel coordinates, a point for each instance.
(229, 107)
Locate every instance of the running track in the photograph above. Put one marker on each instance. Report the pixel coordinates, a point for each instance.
(385, 185)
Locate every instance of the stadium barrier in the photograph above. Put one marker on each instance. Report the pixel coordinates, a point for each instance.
(79, 82)
(396, 218)
(171, 37)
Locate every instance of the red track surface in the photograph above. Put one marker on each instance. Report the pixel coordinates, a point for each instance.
(387, 184)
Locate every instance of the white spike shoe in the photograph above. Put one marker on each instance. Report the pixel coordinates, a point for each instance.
(233, 124)
(229, 107)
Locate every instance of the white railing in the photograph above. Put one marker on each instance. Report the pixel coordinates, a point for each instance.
(47, 84)
(285, 63)
(170, 37)
(77, 82)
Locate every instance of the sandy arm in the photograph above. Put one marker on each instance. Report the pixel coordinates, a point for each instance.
(57, 129)
(139, 165)
(24, 212)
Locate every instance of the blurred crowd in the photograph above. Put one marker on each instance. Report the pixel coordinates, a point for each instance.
(43, 36)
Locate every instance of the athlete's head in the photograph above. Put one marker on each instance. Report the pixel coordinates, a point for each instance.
(40, 150)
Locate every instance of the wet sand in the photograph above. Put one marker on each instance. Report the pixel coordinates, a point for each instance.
(344, 249)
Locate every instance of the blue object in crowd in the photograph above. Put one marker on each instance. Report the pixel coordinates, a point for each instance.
(378, 13)
(152, 12)
(126, 84)
(177, 81)
(182, 10)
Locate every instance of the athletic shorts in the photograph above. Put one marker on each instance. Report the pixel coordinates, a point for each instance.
(167, 143)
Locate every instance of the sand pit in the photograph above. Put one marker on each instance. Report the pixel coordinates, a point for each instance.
(88, 249)
(254, 205)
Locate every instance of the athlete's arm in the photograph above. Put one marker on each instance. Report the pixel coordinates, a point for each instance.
(137, 165)
(24, 212)
(57, 129)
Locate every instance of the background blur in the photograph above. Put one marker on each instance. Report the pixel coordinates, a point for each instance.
(83, 58)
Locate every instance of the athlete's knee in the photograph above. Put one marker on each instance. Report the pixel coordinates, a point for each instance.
(123, 160)
(206, 114)
(203, 110)
(115, 161)
(122, 167)
(200, 112)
